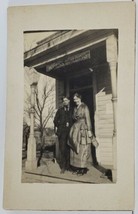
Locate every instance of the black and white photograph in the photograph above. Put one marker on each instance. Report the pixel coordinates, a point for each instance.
(70, 99)
(70, 107)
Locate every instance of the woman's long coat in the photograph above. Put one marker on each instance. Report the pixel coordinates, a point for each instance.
(79, 141)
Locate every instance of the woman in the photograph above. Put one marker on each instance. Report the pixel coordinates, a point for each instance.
(81, 137)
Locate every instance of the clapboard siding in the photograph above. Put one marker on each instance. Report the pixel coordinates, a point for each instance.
(107, 161)
(103, 98)
(107, 121)
(106, 145)
(105, 127)
(106, 150)
(104, 115)
(104, 154)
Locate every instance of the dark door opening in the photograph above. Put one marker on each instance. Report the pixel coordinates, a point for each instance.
(83, 86)
(87, 98)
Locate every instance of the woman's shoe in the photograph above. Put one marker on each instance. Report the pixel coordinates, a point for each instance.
(85, 171)
(80, 172)
(74, 172)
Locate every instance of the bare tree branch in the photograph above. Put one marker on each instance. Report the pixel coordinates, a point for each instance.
(45, 121)
(36, 111)
(37, 101)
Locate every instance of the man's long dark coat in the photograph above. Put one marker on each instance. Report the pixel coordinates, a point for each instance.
(63, 122)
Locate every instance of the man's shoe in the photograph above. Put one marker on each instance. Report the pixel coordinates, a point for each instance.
(62, 171)
(69, 169)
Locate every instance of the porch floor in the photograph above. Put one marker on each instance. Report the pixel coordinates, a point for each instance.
(49, 172)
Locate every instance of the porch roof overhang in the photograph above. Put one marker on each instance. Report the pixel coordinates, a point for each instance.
(59, 53)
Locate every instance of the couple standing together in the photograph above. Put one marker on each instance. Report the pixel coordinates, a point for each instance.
(74, 131)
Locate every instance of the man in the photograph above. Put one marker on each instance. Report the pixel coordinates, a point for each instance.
(63, 122)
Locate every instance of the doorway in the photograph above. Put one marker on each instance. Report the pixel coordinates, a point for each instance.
(84, 86)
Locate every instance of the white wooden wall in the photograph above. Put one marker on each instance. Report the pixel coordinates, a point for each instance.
(104, 116)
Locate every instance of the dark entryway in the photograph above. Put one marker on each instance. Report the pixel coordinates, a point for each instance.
(83, 85)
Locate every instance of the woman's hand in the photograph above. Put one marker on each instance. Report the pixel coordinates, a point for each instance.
(95, 142)
(90, 134)
(55, 130)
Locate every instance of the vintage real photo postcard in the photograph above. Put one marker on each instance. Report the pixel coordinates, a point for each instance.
(70, 107)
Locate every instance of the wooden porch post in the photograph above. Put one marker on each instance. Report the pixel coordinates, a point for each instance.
(111, 48)
(31, 162)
